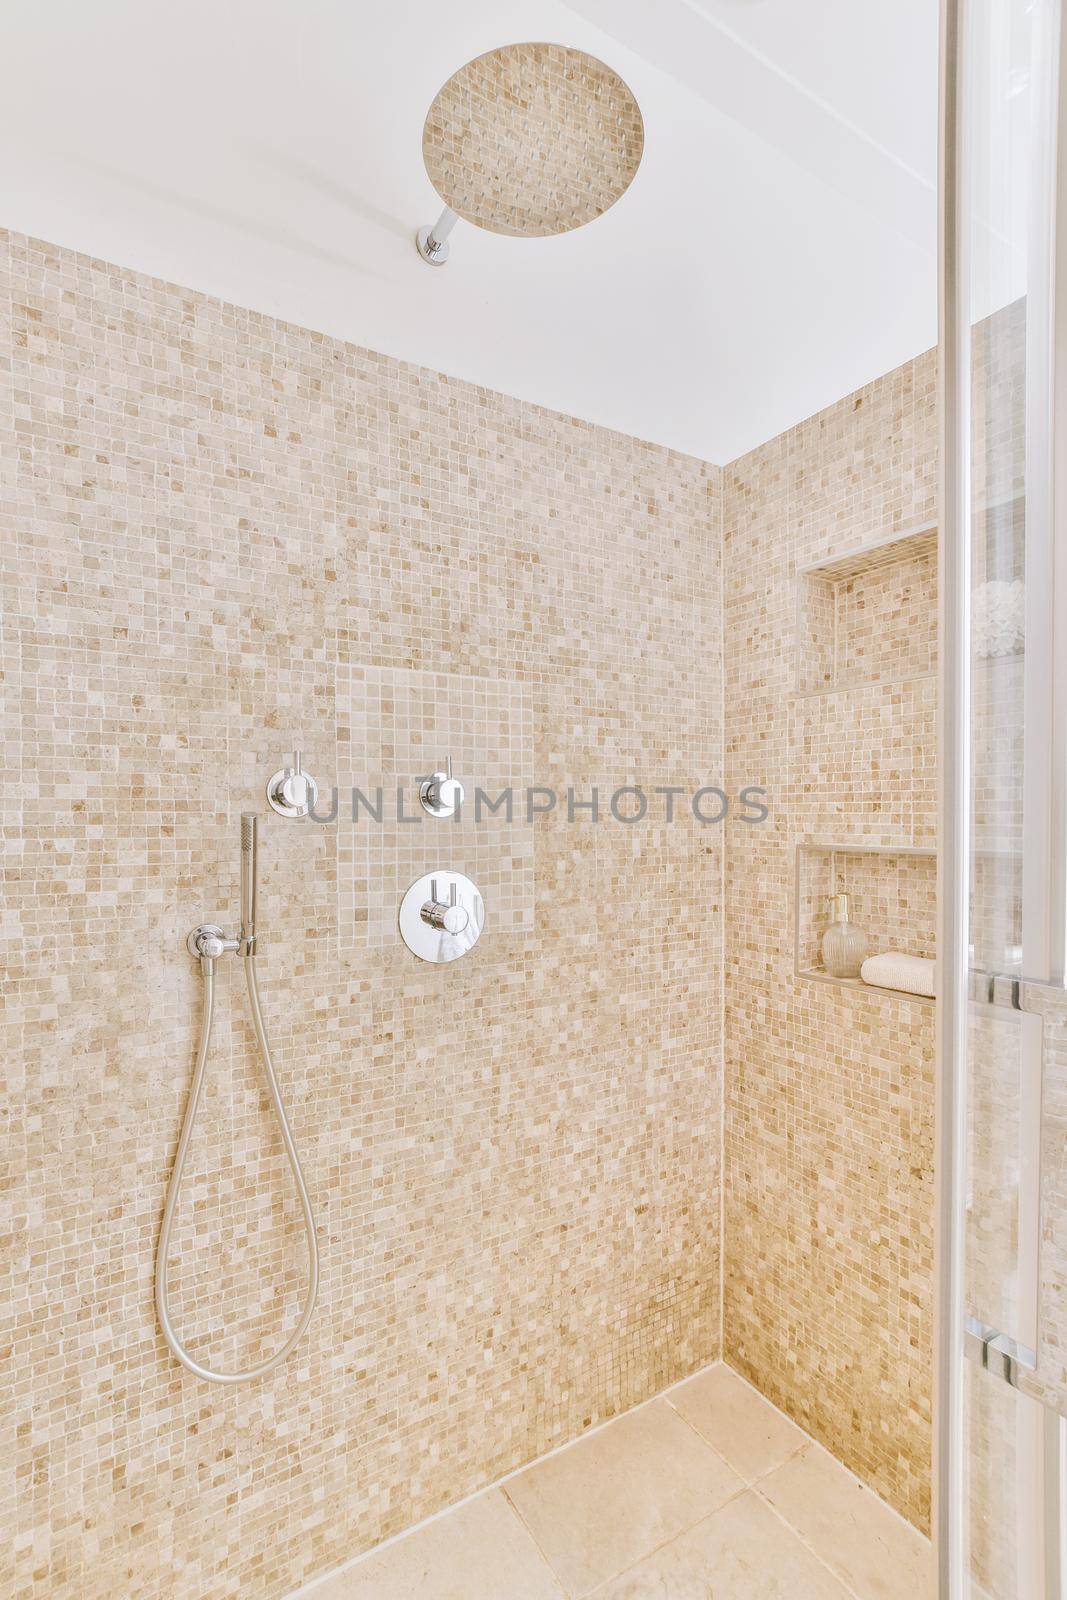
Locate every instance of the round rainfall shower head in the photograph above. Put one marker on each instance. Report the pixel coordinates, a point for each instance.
(529, 140)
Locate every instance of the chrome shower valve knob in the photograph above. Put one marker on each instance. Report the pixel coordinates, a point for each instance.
(442, 916)
(292, 792)
(447, 916)
(442, 794)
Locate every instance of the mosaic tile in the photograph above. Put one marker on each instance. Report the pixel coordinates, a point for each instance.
(829, 1093)
(225, 538)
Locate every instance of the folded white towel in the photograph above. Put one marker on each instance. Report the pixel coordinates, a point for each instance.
(894, 970)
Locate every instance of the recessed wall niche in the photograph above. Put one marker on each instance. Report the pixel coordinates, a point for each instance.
(869, 616)
(893, 895)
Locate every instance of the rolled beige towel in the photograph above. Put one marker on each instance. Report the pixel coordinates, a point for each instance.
(894, 970)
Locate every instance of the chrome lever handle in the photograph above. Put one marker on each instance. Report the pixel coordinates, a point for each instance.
(292, 792)
(446, 918)
(441, 794)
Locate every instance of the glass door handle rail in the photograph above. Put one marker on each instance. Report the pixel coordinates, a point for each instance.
(1000, 1354)
(1008, 989)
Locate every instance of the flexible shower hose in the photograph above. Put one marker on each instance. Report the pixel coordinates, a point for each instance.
(177, 1174)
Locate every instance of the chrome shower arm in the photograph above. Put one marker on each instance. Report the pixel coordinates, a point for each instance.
(432, 242)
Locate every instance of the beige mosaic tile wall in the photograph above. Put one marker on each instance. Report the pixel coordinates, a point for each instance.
(829, 1093)
(223, 537)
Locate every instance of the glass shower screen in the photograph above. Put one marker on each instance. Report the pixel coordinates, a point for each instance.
(1003, 1024)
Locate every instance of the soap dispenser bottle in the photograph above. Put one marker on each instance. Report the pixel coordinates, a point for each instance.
(844, 946)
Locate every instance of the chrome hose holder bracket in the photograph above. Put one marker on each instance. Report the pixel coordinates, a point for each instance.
(208, 941)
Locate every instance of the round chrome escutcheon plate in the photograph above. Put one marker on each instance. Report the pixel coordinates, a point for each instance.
(442, 916)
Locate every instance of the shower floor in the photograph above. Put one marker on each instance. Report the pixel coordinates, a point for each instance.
(706, 1491)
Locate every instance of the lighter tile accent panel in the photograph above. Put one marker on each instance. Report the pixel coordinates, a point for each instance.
(395, 727)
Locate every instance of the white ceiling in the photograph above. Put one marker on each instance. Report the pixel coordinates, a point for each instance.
(776, 250)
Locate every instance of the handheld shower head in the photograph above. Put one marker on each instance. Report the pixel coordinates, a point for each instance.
(249, 876)
(208, 942)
